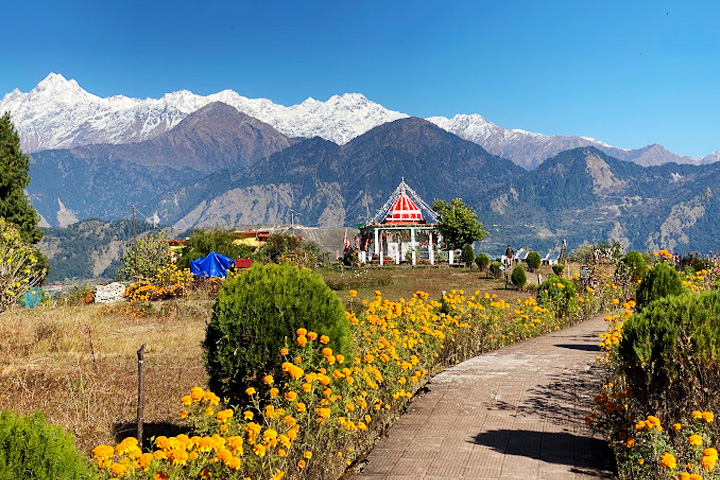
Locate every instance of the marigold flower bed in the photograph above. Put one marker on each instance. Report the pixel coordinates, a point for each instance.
(326, 411)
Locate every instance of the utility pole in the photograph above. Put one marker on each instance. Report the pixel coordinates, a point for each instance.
(135, 243)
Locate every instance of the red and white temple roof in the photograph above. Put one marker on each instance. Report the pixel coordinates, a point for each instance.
(405, 207)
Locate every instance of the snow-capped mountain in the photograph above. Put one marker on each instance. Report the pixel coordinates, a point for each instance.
(58, 113)
(529, 149)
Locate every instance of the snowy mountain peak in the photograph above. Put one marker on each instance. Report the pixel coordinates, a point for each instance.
(58, 113)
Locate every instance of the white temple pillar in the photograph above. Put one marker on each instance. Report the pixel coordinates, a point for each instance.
(412, 245)
(431, 250)
(451, 254)
(381, 256)
(377, 242)
(397, 253)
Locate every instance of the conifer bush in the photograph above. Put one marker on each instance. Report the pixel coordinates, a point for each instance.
(670, 354)
(482, 261)
(533, 261)
(495, 270)
(258, 313)
(558, 269)
(518, 277)
(32, 448)
(660, 282)
(468, 255)
(635, 265)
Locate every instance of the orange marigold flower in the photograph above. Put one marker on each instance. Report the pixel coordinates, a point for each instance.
(197, 393)
(302, 340)
(250, 391)
(695, 440)
(161, 476)
(284, 351)
(268, 379)
(324, 339)
(676, 426)
(312, 335)
(273, 392)
(301, 331)
(186, 400)
(708, 417)
(697, 415)
(668, 461)
(302, 464)
(248, 415)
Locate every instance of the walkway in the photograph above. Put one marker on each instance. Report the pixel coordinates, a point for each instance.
(512, 414)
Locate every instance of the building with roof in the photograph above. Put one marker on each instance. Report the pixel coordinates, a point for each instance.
(406, 231)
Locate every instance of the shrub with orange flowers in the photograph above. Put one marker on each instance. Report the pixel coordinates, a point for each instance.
(323, 407)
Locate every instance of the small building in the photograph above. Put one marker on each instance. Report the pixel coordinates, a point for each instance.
(251, 238)
(406, 232)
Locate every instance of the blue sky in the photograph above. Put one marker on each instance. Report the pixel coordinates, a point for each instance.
(627, 73)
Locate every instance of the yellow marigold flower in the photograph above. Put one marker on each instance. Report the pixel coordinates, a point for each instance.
(307, 387)
(684, 476)
(209, 411)
(695, 476)
(708, 462)
(259, 450)
(205, 474)
(274, 392)
(676, 426)
(695, 440)
(248, 415)
(161, 476)
(233, 463)
(145, 460)
(307, 454)
(184, 414)
(290, 396)
(197, 393)
(223, 454)
(268, 379)
(250, 391)
(301, 407)
(186, 400)
(352, 293)
(224, 415)
(697, 415)
(278, 475)
(668, 461)
(177, 456)
(641, 461)
(708, 417)
(302, 464)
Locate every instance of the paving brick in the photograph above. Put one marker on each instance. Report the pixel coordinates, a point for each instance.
(511, 414)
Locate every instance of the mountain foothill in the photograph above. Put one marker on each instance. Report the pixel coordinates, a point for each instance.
(220, 167)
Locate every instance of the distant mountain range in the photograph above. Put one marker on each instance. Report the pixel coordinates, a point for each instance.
(59, 114)
(185, 161)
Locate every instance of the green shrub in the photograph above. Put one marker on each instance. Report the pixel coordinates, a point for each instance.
(670, 354)
(468, 255)
(635, 265)
(31, 448)
(482, 261)
(659, 282)
(257, 313)
(558, 269)
(533, 261)
(518, 277)
(495, 269)
(558, 295)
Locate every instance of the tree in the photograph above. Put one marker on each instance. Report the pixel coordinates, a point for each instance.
(458, 223)
(482, 261)
(20, 266)
(203, 241)
(153, 252)
(14, 177)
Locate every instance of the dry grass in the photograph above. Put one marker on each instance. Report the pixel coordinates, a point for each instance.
(79, 365)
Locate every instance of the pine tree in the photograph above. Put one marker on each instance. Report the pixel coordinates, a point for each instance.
(14, 177)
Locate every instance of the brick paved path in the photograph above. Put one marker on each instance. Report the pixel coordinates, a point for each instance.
(512, 414)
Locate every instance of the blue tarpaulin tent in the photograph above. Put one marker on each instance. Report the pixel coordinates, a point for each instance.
(214, 265)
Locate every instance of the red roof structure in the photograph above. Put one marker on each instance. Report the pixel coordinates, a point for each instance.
(403, 210)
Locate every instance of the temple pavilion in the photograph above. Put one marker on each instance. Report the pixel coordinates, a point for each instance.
(406, 231)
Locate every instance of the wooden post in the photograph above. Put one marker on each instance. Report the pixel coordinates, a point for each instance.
(141, 395)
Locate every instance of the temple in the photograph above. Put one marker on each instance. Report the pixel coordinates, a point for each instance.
(406, 231)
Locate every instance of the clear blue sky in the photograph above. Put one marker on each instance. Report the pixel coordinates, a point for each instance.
(629, 73)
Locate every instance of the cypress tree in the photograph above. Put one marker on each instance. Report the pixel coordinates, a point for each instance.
(14, 177)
